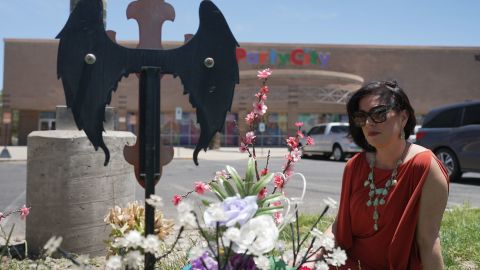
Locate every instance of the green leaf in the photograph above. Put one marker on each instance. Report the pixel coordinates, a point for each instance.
(206, 202)
(219, 191)
(233, 173)
(280, 264)
(250, 174)
(237, 180)
(268, 210)
(264, 180)
(270, 198)
(229, 188)
(218, 196)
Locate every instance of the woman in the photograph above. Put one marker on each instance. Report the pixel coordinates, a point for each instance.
(394, 193)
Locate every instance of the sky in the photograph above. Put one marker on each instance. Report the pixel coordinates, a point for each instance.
(373, 22)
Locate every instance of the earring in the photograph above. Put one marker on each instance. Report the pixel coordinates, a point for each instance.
(402, 135)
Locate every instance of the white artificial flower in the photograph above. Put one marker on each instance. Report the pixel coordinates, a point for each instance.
(155, 201)
(195, 252)
(114, 263)
(321, 265)
(327, 242)
(232, 234)
(52, 245)
(262, 262)
(184, 207)
(133, 239)
(133, 259)
(83, 259)
(337, 258)
(280, 246)
(185, 216)
(35, 266)
(316, 233)
(258, 235)
(214, 214)
(151, 244)
(188, 220)
(330, 202)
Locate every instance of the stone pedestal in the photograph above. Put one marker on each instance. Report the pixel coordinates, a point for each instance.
(70, 191)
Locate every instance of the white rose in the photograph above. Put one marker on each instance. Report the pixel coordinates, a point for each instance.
(232, 234)
(258, 235)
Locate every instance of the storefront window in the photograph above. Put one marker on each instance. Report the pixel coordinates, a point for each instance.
(275, 129)
(311, 119)
(186, 132)
(46, 121)
(179, 132)
(230, 135)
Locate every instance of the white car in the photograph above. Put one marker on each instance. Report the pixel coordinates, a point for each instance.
(330, 140)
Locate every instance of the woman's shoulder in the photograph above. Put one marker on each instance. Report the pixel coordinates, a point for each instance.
(420, 158)
(357, 160)
(418, 154)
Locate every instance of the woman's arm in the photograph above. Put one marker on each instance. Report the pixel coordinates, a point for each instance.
(331, 230)
(432, 205)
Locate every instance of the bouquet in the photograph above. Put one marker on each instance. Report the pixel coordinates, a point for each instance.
(241, 229)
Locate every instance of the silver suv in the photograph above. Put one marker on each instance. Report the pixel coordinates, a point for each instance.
(331, 140)
(453, 134)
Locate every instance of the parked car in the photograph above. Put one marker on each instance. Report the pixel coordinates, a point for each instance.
(331, 140)
(453, 134)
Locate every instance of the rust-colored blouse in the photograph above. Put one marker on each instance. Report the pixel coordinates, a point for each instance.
(393, 246)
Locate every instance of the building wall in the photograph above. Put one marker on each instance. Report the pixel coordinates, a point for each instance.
(28, 122)
(303, 73)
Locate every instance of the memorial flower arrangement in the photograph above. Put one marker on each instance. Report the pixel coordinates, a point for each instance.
(241, 228)
(128, 225)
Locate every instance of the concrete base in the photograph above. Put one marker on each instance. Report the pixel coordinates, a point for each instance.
(70, 191)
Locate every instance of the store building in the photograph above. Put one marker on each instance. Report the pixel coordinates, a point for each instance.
(310, 83)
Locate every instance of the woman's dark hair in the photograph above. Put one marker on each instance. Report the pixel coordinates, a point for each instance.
(390, 94)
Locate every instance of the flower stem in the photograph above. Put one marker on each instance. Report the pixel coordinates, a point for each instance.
(205, 236)
(315, 224)
(228, 255)
(68, 256)
(218, 246)
(293, 244)
(174, 244)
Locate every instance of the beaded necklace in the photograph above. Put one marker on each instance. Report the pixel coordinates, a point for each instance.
(377, 196)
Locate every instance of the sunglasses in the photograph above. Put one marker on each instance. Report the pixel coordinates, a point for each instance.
(378, 114)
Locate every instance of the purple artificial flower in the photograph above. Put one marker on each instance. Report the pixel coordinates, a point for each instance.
(208, 261)
(246, 261)
(235, 210)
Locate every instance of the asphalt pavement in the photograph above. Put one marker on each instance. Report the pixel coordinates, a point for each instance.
(323, 178)
(19, 153)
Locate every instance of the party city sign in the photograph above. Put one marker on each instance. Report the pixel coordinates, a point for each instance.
(299, 57)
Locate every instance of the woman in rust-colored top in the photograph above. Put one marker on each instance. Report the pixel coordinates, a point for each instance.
(394, 193)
